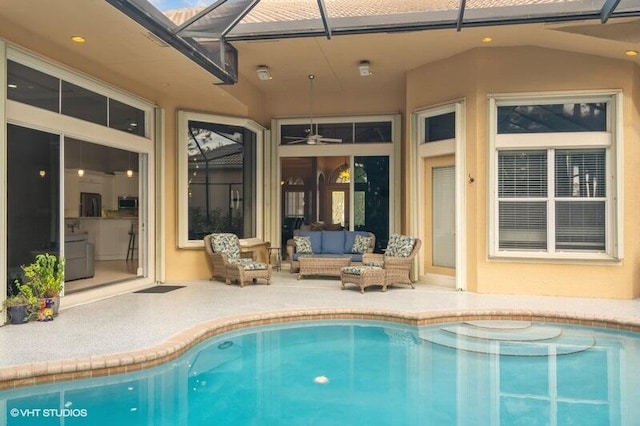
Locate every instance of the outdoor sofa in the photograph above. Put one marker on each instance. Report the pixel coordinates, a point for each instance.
(325, 252)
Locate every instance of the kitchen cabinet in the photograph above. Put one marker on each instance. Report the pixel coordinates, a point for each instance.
(110, 236)
(113, 238)
(93, 182)
(125, 186)
(71, 193)
(108, 202)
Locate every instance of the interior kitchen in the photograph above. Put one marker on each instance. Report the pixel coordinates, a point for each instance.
(100, 215)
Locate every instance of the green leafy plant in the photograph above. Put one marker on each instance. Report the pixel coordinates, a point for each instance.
(23, 297)
(201, 224)
(45, 275)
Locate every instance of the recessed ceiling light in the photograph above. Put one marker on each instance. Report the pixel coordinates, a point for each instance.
(486, 40)
(78, 39)
(631, 53)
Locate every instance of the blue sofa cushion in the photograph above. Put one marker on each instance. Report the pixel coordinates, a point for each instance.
(332, 242)
(316, 239)
(297, 256)
(350, 238)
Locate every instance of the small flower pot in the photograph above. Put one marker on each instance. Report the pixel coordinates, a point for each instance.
(18, 314)
(46, 312)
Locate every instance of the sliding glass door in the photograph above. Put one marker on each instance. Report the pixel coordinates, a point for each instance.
(33, 196)
(371, 197)
(336, 193)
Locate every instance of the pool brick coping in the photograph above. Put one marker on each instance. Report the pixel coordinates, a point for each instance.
(106, 365)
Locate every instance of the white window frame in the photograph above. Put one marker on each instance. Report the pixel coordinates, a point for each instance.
(611, 140)
(183, 180)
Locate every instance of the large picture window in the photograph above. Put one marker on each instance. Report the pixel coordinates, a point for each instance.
(554, 175)
(218, 172)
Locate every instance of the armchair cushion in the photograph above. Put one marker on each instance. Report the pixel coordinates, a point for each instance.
(253, 266)
(360, 244)
(303, 245)
(226, 243)
(241, 261)
(399, 245)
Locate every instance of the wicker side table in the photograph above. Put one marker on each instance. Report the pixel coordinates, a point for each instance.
(363, 276)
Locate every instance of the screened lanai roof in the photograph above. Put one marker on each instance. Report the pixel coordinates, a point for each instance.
(205, 33)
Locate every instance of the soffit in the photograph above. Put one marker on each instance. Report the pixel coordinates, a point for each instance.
(117, 50)
(121, 51)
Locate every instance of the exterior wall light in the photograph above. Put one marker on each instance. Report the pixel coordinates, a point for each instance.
(365, 69)
(263, 72)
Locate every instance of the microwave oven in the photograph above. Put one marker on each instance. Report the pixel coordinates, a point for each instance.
(127, 203)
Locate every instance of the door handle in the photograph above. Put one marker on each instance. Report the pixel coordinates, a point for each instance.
(235, 199)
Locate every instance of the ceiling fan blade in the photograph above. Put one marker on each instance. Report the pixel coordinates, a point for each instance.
(295, 140)
(330, 140)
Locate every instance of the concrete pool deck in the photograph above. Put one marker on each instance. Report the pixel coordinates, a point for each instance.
(140, 330)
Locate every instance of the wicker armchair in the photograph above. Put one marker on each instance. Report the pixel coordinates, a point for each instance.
(223, 251)
(397, 260)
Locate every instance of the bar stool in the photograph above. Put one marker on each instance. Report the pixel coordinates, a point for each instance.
(132, 242)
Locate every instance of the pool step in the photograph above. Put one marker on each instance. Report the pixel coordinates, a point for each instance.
(509, 338)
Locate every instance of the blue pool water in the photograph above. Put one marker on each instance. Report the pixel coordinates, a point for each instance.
(364, 373)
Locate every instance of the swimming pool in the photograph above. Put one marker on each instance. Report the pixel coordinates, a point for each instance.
(348, 372)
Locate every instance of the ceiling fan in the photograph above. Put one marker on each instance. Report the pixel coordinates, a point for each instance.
(312, 138)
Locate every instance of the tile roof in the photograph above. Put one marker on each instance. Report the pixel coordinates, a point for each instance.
(292, 10)
(223, 155)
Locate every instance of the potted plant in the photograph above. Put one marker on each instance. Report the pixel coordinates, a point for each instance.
(45, 277)
(22, 305)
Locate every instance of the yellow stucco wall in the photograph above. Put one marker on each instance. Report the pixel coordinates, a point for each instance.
(476, 74)
(472, 76)
(183, 264)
